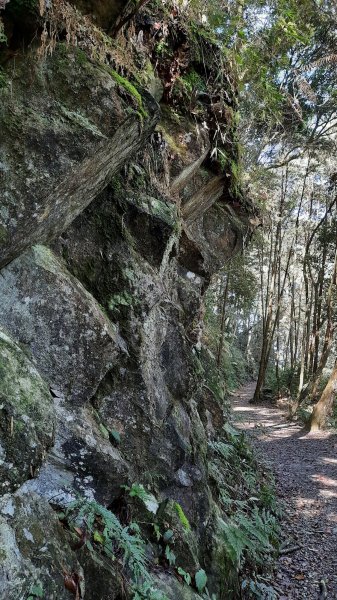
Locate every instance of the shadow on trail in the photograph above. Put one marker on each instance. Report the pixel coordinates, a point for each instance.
(305, 467)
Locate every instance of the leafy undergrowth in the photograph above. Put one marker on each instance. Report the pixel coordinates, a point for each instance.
(244, 491)
(150, 540)
(157, 538)
(251, 524)
(101, 531)
(128, 549)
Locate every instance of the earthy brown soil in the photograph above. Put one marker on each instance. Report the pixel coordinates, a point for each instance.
(305, 468)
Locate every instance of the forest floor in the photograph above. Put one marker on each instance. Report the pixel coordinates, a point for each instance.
(305, 470)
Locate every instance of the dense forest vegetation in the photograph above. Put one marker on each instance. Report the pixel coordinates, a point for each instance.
(168, 256)
(278, 302)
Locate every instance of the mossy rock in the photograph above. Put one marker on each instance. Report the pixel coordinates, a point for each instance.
(175, 590)
(33, 546)
(65, 130)
(26, 416)
(59, 322)
(157, 208)
(184, 542)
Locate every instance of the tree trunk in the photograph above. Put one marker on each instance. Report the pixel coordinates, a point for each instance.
(261, 377)
(223, 321)
(311, 388)
(324, 406)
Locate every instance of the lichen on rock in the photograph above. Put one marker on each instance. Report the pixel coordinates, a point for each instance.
(35, 556)
(27, 416)
(65, 136)
(59, 323)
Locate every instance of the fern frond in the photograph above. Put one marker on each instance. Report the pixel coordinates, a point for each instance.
(115, 539)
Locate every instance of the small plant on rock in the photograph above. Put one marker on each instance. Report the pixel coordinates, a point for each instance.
(103, 533)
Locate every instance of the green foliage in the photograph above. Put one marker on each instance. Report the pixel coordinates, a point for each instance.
(256, 535)
(234, 366)
(137, 490)
(207, 370)
(36, 591)
(250, 527)
(171, 557)
(119, 300)
(162, 48)
(130, 88)
(192, 82)
(157, 533)
(185, 575)
(223, 449)
(264, 55)
(115, 435)
(104, 431)
(81, 57)
(200, 580)
(182, 517)
(267, 497)
(106, 534)
(167, 538)
(115, 536)
(168, 535)
(286, 384)
(235, 304)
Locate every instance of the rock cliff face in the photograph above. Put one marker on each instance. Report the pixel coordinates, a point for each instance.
(113, 218)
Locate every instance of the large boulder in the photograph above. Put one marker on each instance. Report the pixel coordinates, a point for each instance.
(36, 560)
(147, 397)
(83, 459)
(26, 416)
(94, 250)
(59, 323)
(72, 344)
(64, 131)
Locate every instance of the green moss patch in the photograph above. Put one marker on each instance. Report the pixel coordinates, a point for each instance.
(130, 88)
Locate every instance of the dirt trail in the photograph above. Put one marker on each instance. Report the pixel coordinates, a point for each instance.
(305, 468)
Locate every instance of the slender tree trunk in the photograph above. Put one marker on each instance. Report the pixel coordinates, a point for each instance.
(292, 328)
(319, 321)
(223, 321)
(298, 329)
(277, 318)
(313, 333)
(301, 378)
(305, 344)
(261, 376)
